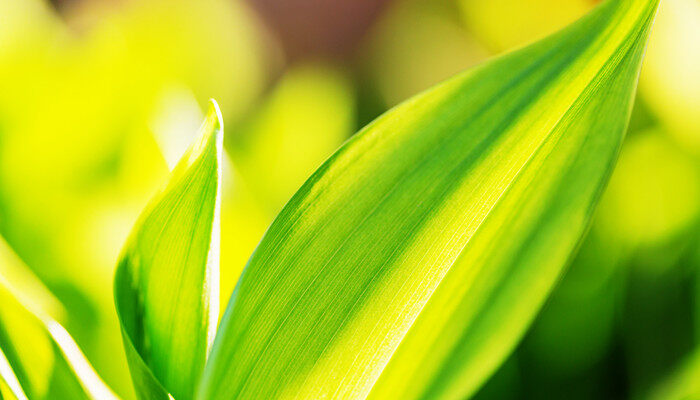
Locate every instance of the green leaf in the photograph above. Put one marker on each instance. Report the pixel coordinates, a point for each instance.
(38, 357)
(9, 384)
(305, 117)
(410, 264)
(166, 284)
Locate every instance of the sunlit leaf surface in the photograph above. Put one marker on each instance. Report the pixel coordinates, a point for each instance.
(38, 357)
(73, 181)
(166, 285)
(409, 264)
(9, 384)
(298, 125)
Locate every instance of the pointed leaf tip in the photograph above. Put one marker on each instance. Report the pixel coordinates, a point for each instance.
(167, 281)
(410, 264)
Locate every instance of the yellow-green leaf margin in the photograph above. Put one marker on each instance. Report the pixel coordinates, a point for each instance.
(167, 281)
(410, 264)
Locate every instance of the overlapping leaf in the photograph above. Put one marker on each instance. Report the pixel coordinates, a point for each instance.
(411, 262)
(38, 358)
(166, 284)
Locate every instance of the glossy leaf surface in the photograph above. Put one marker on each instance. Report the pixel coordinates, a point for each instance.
(166, 284)
(38, 357)
(411, 262)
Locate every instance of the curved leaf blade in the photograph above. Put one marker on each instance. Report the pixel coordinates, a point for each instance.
(521, 249)
(9, 380)
(411, 262)
(38, 357)
(166, 284)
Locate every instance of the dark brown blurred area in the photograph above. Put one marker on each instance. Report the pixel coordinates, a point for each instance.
(318, 27)
(305, 28)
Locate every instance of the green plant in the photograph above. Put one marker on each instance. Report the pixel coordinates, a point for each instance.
(407, 266)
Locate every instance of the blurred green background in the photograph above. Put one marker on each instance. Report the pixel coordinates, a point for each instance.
(98, 98)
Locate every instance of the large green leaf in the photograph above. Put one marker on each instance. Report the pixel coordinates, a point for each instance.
(411, 262)
(166, 284)
(38, 358)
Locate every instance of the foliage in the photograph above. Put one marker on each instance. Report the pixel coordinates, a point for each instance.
(411, 263)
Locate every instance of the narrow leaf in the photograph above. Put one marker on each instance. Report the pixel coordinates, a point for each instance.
(38, 357)
(411, 262)
(166, 284)
(9, 380)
